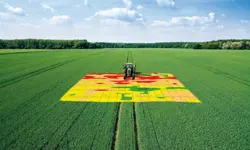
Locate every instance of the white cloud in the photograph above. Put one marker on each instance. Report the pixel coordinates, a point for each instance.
(212, 16)
(85, 2)
(128, 3)
(47, 7)
(244, 21)
(15, 10)
(165, 3)
(89, 18)
(123, 14)
(223, 15)
(60, 19)
(187, 21)
(139, 7)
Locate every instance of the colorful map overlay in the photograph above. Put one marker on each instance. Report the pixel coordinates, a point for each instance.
(157, 87)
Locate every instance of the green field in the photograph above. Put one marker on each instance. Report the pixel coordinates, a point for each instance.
(32, 117)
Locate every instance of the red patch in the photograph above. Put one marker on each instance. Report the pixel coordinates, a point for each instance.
(150, 77)
(174, 83)
(117, 76)
(99, 83)
(92, 77)
(89, 77)
(121, 81)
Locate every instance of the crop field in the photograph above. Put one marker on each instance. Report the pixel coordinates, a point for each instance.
(34, 116)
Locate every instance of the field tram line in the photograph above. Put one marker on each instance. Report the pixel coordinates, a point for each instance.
(31, 99)
(150, 117)
(226, 75)
(116, 129)
(39, 71)
(113, 145)
(33, 73)
(100, 122)
(135, 128)
(220, 73)
(66, 132)
(44, 92)
(46, 144)
(48, 89)
(26, 128)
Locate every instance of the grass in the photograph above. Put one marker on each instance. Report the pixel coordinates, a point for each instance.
(32, 117)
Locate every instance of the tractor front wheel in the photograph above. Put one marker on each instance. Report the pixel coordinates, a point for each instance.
(125, 76)
(133, 75)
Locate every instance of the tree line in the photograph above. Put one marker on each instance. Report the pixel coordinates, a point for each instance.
(84, 44)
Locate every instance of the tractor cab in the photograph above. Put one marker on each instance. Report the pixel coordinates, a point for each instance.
(129, 68)
(129, 65)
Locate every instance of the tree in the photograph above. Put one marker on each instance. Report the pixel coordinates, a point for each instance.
(197, 46)
(236, 45)
(81, 44)
(226, 45)
(2, 44)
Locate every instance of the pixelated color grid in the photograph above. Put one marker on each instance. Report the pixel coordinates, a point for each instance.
(155, 87)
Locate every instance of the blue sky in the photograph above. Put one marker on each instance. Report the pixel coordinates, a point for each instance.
(125, 20)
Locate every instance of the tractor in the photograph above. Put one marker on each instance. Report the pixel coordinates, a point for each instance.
(129, 70)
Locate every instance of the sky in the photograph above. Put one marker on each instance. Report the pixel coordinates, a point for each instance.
(125, 20)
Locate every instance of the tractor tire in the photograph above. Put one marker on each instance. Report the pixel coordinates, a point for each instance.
(125, 76)
(133, 76)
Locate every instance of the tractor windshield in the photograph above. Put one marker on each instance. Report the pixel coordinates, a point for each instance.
(129, 66)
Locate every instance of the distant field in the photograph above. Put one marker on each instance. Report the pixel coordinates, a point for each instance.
(32, 117)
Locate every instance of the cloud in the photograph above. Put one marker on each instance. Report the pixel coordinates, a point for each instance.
(123, 14)
(139, 7)
(47, 7)
(165, 3)
(15, 10)
(89, 18)
(244, 21)
(60, 19)
(85, 2)
(187, 21)
(128, 3)
(223, 15)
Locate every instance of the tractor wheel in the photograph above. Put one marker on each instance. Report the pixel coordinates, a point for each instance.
(133, 76)
(125, 76)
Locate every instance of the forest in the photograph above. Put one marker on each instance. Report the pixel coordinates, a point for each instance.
(84, 44)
